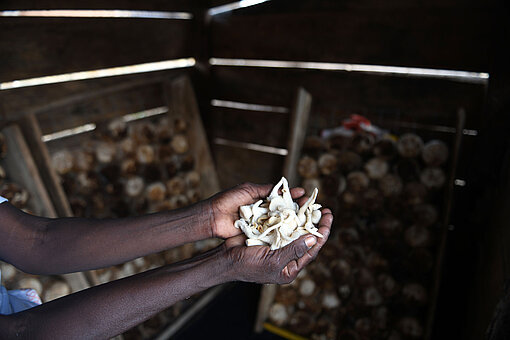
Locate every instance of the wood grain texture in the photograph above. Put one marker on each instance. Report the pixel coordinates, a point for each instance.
(35, 47)
(452, 35)
(155, 5)
(33, 135)
(181, 101)
(22, 169)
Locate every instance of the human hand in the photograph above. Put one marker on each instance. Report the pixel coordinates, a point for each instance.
(262, 265)
(225, 206)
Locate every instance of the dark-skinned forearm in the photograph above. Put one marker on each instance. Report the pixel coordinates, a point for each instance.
(77, 244)
(104, 311)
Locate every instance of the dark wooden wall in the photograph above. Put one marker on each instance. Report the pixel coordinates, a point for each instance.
(451, 34)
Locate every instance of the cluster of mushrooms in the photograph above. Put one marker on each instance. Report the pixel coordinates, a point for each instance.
(128, 169)
(278, 220)
(373, 277)
(48, 288)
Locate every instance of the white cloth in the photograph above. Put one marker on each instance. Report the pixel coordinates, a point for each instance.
(13, 301)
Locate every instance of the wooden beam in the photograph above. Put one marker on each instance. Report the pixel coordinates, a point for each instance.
(36, 47)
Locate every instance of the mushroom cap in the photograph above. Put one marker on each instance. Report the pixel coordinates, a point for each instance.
(134, 186)
(180, 144)
(145, 154)
(156, 192)
(435, 153)
(390, 185)
(62, 161)
(308, 168)
(376, 168)
(328, 163)
(417, 236)
(105, 152)
(357, 181)
(278, 314)
(433, 177)
(56, 290)
(409, 145)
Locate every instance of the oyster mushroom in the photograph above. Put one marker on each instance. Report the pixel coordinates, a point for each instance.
(192, 179)
(178, 201)
(128, 146)
(330, 300)
(349, 161)
(363, 142)
(307, 287)
(105, 152)
(117, 128)
(56, 290)
(30, 282)
(145, 154)
(357, 181)
(414, 293)
(301, 322)
(435, 153)
(372, 297)
(308, 168)
(180, 144)
(278, 314)
(387, 285)
(128, 167)
(156, 192)
(328, 163)
(385, 148)
(409, 145)
(8, 271)
(62, 161)
(410, 327)
(417, 236)
(390, 185)
(433, 178)
(134, 186)
(176, 186)
(376, 168)
(279, 220)
(180, 125)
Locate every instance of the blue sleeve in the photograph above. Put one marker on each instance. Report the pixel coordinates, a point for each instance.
(2, 200)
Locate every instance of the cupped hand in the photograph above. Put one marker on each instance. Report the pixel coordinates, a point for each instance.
(260, 264)
(225, 206)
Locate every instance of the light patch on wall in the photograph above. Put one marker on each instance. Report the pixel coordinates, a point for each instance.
(465, 76)
(251, 146)
(97, 13)
(249, 107)
(69, 132)
(91, 127)
(233, 6)
(101, 73)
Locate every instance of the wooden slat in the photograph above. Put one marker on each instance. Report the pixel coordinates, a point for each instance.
(236, 165)
(102, 107)
(35, 47)
(155, 5)
(16, 103)
(266, 128)
(33, 136)
(431, 101)
(451, 36)
(182, 102)
(22, 169)
(298, 127)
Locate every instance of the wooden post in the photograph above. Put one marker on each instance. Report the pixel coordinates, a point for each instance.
(298, 124)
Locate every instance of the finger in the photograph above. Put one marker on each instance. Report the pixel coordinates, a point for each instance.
(302, 200)
(324, 229)
(235, 241)
(297, 192)
(296, 249)
(258, 191)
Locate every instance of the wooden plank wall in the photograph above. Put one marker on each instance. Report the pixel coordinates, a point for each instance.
(452, 34)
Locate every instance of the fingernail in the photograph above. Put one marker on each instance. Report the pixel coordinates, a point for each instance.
(310, 242)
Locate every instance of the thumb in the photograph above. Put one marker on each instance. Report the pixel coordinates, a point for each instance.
(298, 248)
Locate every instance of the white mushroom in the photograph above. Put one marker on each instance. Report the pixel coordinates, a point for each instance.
(134, 186)
(156, 192)
(409, 145)
(57, 290)
(180, 143)
(279, 220)
(105, 152)
(30, 282)
(278, 314)
(435, 153)
(376, 168)
(433, 177)
(145, 154)
(307, 287)
(62, 161)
